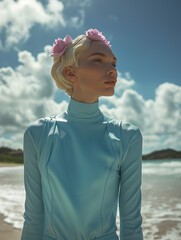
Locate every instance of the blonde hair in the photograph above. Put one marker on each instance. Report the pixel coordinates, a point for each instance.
(69, 58)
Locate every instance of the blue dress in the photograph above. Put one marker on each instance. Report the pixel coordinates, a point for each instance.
(77, 168)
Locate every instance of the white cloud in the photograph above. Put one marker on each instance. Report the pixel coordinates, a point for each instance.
(27, 93)
(14, 142)
(74, 3)
(159, 119)
(128, 107)
(18, 17)
(123, 83)
(173, 140)
(158, 116)
(77, 21)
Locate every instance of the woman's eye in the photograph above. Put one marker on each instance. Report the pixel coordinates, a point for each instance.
(96, 60)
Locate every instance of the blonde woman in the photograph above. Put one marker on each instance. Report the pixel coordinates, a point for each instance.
(80, 164)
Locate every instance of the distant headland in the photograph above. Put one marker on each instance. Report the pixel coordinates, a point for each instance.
(8, 155)
(163, 154)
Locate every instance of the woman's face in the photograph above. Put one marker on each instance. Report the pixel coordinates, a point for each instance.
(96, 66)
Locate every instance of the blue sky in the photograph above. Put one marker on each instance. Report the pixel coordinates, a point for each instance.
(145, 37)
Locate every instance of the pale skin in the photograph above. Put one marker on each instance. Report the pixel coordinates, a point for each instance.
(88, 80)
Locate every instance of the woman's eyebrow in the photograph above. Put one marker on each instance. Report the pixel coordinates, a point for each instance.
(102, 54)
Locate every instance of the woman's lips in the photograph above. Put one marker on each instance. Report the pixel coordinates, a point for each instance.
(111, 82)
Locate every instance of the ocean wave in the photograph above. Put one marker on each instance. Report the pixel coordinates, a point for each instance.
(12, 195)
(162, 168)
(160, 203)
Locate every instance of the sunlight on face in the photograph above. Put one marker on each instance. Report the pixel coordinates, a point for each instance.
(96, 66)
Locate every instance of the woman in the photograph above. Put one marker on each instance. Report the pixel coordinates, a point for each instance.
(79, 164)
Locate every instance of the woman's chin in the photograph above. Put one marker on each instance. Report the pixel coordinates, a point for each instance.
(109, 93)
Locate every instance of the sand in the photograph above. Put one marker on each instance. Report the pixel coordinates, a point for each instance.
(10, 164)
(7, 232)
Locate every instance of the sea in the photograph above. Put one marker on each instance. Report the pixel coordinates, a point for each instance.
(161, 198)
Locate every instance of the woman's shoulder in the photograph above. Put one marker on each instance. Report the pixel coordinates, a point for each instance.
(124, 129)
(124, 125)
(123, 134)
(36, 127)
(129, 131)
(129, 127)
(39, 123)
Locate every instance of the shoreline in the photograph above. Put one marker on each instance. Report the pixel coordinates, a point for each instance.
(8, 231)
(11, 164)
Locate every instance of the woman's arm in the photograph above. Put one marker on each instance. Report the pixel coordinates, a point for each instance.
(130, 190)
(34, 210)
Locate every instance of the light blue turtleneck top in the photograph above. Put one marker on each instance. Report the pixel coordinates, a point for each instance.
(78, 166)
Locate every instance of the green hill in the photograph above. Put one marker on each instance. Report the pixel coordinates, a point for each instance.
(163, 154)
(8, 155)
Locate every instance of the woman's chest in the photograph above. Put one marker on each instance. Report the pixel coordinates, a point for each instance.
(80, 152)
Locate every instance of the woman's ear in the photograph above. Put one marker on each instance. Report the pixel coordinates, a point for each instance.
(69, 73)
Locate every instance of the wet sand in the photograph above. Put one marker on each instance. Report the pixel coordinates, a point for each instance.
(10, 164)
(157, 224)
(161, 229)
(7, 232)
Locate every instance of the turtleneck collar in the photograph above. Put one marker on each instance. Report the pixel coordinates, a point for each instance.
(85, 112)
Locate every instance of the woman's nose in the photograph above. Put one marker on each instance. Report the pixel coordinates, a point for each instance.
(112, 71)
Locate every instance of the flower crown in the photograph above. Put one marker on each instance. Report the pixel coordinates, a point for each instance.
(60, 45)
(94, 34)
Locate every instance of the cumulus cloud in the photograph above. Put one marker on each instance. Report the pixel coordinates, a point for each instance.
(123, 83)
(73, 3)
(27, 93)
(78, 20)
(129, 107)
(14, 141)
(158, 119)
(18, 17)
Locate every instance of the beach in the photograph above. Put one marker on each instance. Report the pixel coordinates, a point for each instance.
(10, 164)
(9, 201)
(161, 206)
(7, 231)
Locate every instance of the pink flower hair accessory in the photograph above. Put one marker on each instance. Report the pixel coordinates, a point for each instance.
(60, 46)
(94, 34)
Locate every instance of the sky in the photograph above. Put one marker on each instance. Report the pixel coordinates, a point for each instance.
(145, 37)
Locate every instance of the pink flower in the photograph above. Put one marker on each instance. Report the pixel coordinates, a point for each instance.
(60, 45)
(94, 34)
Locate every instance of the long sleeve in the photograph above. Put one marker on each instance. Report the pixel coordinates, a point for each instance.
(34, 210)
(130, 189)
